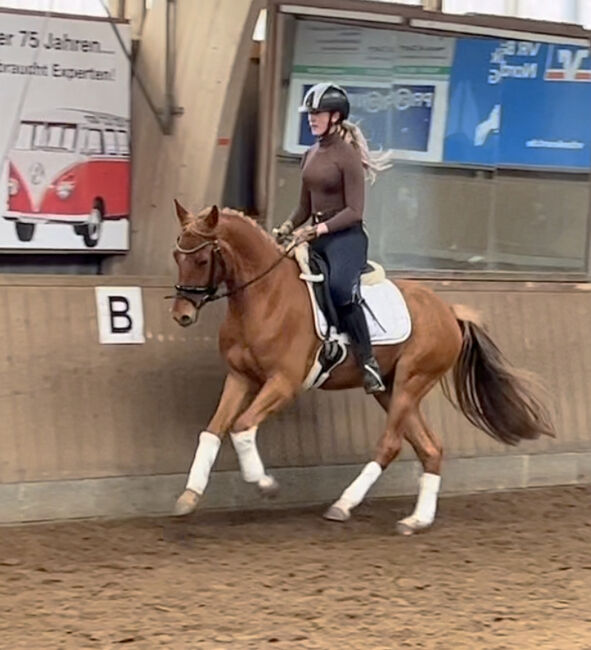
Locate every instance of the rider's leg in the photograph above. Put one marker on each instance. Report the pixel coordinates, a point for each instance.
(346, 253)
(353, 322)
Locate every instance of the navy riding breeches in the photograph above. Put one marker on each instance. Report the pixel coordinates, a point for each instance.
(345, 251)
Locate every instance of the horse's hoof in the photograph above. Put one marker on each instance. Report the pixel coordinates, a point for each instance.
(334, 513)
(186, 503)
(410, 526)
(268, 487)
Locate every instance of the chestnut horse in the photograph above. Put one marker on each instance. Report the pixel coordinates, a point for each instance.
(269, 343)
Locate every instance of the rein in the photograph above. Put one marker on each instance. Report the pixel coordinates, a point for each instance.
(210, 290)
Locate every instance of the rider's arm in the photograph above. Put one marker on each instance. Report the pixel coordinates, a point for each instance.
(304, 208)
(354, 193)
(301, 214)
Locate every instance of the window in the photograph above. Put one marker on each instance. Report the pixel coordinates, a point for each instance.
(94, 142)
(69, 133)
(568, 11)
(492, 155)
(24, 138)
(123, 140)
(110, 142)
(39, 136)
(60, 137)
(47, 137)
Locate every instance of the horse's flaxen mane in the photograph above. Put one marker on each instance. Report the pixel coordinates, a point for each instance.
(193, 227)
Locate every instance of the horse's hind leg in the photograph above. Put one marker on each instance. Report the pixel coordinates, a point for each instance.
(398, 404)
(429, 449)
(402, 409)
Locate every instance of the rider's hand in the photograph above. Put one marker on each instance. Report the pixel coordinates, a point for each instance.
(307, 233)
(284, 231)
(321, 229)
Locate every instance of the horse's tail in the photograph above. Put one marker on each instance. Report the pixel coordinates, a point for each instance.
(498, 399)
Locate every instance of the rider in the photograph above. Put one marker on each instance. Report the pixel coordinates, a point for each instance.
(332, 193)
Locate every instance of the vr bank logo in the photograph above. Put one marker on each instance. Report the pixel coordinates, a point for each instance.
(568, 65)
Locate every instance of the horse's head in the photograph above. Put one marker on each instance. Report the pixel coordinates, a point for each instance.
(201, 266)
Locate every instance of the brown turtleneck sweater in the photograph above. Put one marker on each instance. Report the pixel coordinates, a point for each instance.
(332, 183)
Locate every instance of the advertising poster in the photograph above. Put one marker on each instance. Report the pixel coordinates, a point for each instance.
(397, 83)
(64, 134)
(519, 104)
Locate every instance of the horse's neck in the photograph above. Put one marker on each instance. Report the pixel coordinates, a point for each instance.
(253, 254)
(251, 251)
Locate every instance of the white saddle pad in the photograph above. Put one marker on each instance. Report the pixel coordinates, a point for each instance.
(392, 323)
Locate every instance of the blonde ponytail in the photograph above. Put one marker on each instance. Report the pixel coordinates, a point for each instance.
(373, 161)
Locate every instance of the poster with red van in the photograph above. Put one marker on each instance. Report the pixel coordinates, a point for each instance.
(64, 134)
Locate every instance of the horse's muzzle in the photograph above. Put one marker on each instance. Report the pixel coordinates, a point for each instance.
(184, 320)
(184, 312)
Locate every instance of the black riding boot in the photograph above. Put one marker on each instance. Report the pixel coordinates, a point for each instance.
(352, 320)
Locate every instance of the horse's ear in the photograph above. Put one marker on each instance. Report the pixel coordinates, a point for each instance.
(181, 213)
(211, 220)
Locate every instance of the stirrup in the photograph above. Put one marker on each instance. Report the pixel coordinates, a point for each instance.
(372, 378)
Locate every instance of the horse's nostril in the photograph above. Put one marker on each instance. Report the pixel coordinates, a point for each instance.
(185, 320)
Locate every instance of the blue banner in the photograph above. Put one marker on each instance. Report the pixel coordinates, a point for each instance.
(520, 104)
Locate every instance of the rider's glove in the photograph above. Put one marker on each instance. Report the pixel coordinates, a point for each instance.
(284, 231)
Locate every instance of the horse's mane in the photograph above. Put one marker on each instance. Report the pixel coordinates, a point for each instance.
(193, 227)
(228, 212)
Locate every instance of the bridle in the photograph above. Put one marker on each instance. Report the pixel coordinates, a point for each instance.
(209, 291)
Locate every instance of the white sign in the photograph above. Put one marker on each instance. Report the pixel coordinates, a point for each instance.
(64, 133)
(120, 314)
(332, 51)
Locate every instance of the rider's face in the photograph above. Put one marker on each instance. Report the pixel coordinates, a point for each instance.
(319, 122)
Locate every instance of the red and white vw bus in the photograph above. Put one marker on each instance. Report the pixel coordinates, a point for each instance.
(72, 167)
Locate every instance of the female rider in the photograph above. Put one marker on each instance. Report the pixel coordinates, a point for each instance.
(332, 194)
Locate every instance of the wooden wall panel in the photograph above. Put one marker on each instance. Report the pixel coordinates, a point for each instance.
(212, 47)
(72, 408)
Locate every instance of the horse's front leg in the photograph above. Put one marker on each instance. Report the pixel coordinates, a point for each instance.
(237, 393)
(276, 392)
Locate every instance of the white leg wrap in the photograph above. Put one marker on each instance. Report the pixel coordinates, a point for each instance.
(251, 465)
(424, 512)
(356, 492)
(207, 451)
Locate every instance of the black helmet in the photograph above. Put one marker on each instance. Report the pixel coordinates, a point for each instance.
(326, 97)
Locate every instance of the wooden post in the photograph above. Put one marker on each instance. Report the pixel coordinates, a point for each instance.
(117, 8)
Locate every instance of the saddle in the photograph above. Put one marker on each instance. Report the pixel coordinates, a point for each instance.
(315, 270)
(319, 270)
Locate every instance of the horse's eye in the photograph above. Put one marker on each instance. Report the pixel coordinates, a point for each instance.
(201, 262)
